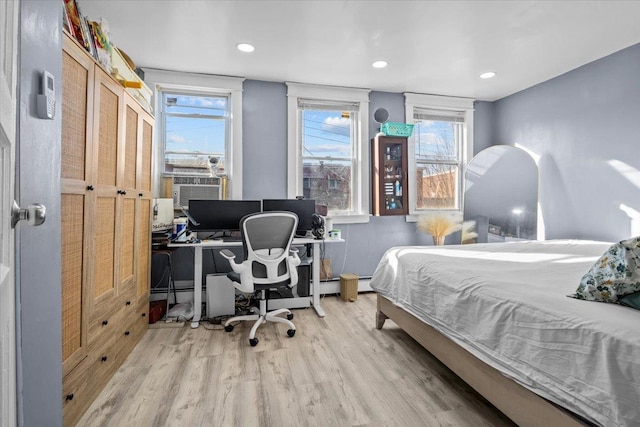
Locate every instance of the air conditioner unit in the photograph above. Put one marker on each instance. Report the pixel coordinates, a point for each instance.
(186, 188)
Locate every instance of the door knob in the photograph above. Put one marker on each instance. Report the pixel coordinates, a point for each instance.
(34, 214)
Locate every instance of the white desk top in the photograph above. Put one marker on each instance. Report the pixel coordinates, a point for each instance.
(222, 243)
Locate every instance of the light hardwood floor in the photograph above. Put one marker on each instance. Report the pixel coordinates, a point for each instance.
(337, 371)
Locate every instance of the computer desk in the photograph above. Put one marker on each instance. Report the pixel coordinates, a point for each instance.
(214, 244)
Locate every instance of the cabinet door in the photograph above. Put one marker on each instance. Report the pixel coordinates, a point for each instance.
(143, 233)
(136, 203)
(126, 243)
(127, 175)
(390, 195)
(107, 127)
(143, 247)
(77, 105)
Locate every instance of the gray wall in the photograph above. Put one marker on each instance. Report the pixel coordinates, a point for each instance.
(38, 255)
(264, 139)
(585, 127)
(483, 126)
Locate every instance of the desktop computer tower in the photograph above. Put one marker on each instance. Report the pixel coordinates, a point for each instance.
(221, 296)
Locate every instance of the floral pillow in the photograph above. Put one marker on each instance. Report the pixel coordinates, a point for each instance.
(615, 274)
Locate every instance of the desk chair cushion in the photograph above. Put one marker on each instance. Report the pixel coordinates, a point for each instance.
(235, 277)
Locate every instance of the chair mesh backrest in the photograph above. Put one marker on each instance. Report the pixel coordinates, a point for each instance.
(266, 239)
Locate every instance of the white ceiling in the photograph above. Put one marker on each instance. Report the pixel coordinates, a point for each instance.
(433, 47)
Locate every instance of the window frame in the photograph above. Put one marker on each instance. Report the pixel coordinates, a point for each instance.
(206, 85)
(360, 172)
(446, 104)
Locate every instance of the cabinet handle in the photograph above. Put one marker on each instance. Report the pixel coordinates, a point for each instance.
(90, 187)
(140, 194)
(103, 358)
(124, 193)
(105, 322)
(127, 303)
(69, 396)
(126, 333)
(144, 314)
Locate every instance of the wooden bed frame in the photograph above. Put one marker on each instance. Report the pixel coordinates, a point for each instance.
(518, 403)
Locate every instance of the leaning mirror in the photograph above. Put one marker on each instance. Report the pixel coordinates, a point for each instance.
(501, 195)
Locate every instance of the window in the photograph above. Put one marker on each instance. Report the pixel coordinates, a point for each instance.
(196, 136)
(328, 154)
(440, 141)
(199, 123)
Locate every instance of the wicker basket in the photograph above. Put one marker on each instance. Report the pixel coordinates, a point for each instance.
(349, 287)
(396, 129)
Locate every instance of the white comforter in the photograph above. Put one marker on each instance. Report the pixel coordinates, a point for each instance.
(506, 303)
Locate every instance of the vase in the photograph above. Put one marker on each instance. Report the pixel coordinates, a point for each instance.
(438, 240)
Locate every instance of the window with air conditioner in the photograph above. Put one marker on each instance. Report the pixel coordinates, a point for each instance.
(199, 127)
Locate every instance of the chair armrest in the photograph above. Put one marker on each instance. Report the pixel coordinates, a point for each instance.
(293, 261)
(243, 269)
(227, 254)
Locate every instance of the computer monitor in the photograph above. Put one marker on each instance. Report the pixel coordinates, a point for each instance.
(302, 207)
(220, 215)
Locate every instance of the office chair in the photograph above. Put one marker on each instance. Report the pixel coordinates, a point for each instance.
(270, 263)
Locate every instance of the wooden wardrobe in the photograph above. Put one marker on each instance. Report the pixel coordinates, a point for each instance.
(106, 227)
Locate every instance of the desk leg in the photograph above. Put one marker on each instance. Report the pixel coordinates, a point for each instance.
(197, 287)
(315, 268)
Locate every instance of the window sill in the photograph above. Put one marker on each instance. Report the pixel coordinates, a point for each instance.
(348, 219)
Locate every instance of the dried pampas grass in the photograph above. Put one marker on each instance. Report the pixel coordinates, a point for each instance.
(439, 225)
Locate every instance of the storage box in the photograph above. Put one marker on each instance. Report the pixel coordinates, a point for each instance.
(121, 71)
(397, 129)
(348, 287)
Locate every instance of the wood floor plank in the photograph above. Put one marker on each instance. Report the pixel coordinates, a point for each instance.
(337, 371)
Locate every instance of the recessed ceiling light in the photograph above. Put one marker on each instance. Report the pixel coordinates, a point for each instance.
(245, 47)
(487, 75)
(379, 64)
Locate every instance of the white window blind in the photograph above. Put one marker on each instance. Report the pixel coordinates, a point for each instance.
(438, 115)
(321, 105)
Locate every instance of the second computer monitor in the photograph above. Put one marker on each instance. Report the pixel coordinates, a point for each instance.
(303, 208)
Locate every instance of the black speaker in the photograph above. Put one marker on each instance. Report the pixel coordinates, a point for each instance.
(317, 226)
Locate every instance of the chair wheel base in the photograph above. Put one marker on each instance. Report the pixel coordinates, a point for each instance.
(289, 316)
(291, 332)
(228, 328)
(253, 342)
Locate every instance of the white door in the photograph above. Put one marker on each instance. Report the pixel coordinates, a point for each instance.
(8, 109)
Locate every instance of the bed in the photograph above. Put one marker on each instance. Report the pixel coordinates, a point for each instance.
(498, 315)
